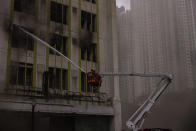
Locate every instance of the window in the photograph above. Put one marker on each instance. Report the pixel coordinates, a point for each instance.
(83, 82)
(91, 53)
(21, 74)
(88, 21)
(26, 6)
(60, 78)
(83, 53)
(93, 1)
(58, 13)
(60, 43)
(94, 23)
(21, 40)
(94, 52)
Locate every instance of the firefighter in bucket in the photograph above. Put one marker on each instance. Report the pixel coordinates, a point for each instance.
(94, 79)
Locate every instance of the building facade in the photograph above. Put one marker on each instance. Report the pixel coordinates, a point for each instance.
(82, 30)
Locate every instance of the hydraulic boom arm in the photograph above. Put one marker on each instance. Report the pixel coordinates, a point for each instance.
(136, 121)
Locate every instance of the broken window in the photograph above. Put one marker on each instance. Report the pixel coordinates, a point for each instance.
(60, 43)
(59, 79)
(26, 6)
(21, 74)
(21, 40)
(58, 13)
(88, 21)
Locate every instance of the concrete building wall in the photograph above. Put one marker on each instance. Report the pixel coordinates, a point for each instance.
(104, 38)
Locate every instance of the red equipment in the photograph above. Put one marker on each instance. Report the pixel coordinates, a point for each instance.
(94, 79)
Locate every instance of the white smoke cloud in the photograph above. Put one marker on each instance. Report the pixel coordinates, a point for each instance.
(125, 3)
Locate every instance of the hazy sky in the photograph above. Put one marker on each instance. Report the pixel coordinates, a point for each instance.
(125, 3)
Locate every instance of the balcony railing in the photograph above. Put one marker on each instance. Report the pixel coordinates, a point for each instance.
(37, 93)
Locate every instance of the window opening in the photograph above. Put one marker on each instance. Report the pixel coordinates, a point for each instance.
(88, 19)
(26, 6)
(60, 43)
(58, 13)
(21, 73)
(55, 82)
(21, 40)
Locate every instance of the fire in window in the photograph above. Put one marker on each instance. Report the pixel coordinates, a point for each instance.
(59, 43)
(58, 13)
(21, 74)
(21, 40)
(26, 6)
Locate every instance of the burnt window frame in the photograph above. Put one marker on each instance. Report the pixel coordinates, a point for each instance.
(92, 1)
(25, 6)
(94, 50)
(88, 21)
(56, 10)
(18, 37)
(83, 53)
(92, 53)
(60, 43)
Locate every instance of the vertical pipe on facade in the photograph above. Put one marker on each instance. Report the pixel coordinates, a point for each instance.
(91, 56)
(35, 44)
(48, 34)
(69, 46)
(55, 59)
(86, 85)
(98, 44)
(79, 49)
(62, 42)
(9, 42)
(26, 51)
